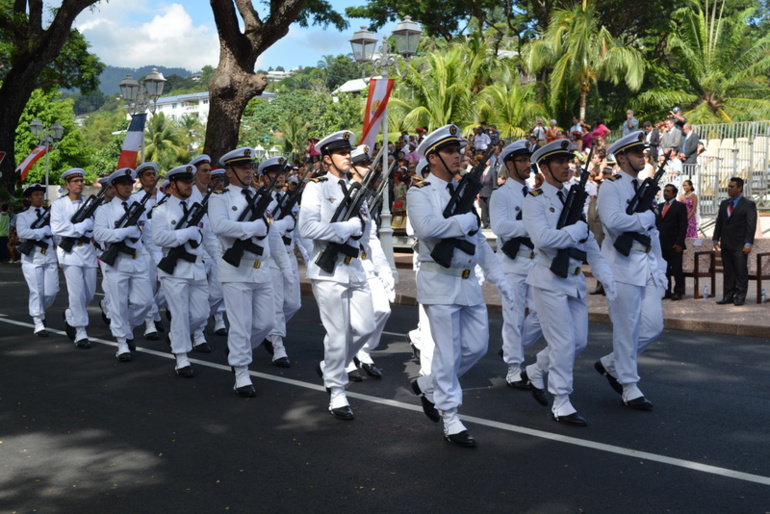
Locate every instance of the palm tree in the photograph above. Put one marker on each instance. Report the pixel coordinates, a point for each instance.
(724, 69)
(295, 133)
(509, 104)
(193, 130)
(579, 52)
(164, 142)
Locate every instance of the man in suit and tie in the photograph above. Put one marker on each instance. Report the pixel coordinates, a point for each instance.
(652, 138)
(689, 153)
(671, 221)
(488, 184)
(734, 237)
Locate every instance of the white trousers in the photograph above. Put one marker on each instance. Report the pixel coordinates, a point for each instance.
(461, 334)
(381, 306)
(637, 322)
(216, 298)
(348, 318)
(565, 327)
(43, 283)
(426, 344)
(81, 286)
(152, 281)
(251, 314)
(286, 296)
(520, 331)
(188, 301)
(130, 300)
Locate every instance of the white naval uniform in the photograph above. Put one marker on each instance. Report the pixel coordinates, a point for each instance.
(636, 314)
(186, 290)
(421, 336)
(248, 288)
(216, 299)
(40, 267)
(79, 265)
(561, 302)
(127, 281)
(343, 296)
(151, 255)
(286, 287)
(454, 304)
(505, 214)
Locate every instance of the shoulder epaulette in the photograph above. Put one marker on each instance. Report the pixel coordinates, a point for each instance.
(420, 184)
(614, 177)
(536, 192)
(319, 179)
(220, 191)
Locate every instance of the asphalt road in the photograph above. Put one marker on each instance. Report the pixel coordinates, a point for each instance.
(80, 432)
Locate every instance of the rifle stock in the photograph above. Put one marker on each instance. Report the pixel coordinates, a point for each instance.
(41, 221)
(85, 211)
(191, 219)
(129, 219)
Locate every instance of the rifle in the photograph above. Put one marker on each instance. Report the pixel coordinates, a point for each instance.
(190, 219)
(349, 207)
(292, 199)
(256, 208)
(378, 194)
(85, 211)
(129, 219)
(641, 202)
(461, 202)
(571, 214)
(43, 219)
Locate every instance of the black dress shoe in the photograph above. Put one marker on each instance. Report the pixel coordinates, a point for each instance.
(355, 376)
(428, 406)
(246, 391)
(738, 303)
(372, 370)
(345, 413)
(69, 329)
(168, 314)
(221, 331)
(500, 353)
(268, 347)
(186, 372)
(724, 301)
(640, 403)
(202, 348)
(321, 375)
(283, 362)
(152, 336)
(42, 333)
(83, 343)
(124, 357)
(159, 326)
(614, 384)
(463, 439)
(415, 350)
(105, 319)
(539, 395)
(131, 345)
(520, 384)
(676, 297)
(574, 419)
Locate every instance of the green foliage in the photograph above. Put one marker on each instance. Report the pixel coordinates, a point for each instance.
(165, 142)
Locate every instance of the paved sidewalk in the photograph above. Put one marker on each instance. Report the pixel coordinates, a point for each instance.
(751, 319)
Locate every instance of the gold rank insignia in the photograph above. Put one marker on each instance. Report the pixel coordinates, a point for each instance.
(614, 177)
(536, 192)
(331, 199)
(319, 179)
(420, 184)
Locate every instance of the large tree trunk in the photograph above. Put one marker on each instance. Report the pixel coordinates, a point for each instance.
(14, 95)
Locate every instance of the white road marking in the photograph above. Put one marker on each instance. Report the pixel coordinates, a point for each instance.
(593, 445)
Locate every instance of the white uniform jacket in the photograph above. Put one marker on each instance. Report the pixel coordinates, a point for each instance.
(38, 256)
(105, 233)
(320, 200)
(505, 215)
(611, 203)
(542, 209)
(425, 205)
(165, 218)
(149, 247)
(83, 254)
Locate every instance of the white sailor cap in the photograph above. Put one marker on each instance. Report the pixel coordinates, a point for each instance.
(632, 140)
(146, 166)
(239, 155)
(520, 147)
(272, 164)
(184, 172)
(558, 148)
(121, 175)
(73, 173)
(104, 181)
(165, 184)
(338, 141)
(448, 134)
(200, 160)
(32, 188)
(217, 172)
(420, 166)
(360, 154)
(294, 179)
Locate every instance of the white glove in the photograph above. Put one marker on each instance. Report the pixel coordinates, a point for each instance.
(256, 228)
(389, 285)
(128, 233)
(85, 226)
(186, 234)
(285, 225)
(351, 228)
(578, 231)
(509, 299)
(196, 236)
(611, 290)
(468, 222)
(47, 231)
(647, 219)
(662, 282)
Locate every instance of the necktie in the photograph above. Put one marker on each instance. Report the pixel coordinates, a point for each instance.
(37, 211)
(729, 208)
(665, 209)
(560, 194)
(451, 188)
(185, 210)
(125, 206)
(344, 187)
(635, 183)
(247, 194)
(524, 191)
(279, 199)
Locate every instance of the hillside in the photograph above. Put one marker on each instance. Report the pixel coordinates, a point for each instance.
(112, 75)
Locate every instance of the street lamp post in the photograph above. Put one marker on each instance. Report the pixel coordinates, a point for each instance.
(139, 99)
(406, 36)
(48, 136)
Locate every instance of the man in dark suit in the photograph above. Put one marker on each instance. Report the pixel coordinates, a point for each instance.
(488, 184)
(734, 236)
(689, 153)
(671, 220)
(652, 138)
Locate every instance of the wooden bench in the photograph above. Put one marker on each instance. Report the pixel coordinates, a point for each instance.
(698, 262)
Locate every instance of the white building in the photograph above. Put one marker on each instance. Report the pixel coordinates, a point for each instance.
(192, 104)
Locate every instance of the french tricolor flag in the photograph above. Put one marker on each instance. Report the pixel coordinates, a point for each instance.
(133, 142)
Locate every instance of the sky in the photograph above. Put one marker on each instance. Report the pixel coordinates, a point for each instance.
(133, 33)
